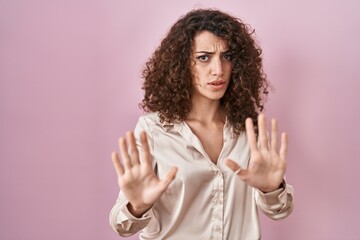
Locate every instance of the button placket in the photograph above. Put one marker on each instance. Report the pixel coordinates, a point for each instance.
(217, 201)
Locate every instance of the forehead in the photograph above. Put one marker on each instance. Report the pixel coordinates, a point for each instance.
(207, 41)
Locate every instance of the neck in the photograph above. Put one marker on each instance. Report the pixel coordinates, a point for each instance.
(206, 111)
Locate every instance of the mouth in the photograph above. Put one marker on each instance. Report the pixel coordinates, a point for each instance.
(217, 84)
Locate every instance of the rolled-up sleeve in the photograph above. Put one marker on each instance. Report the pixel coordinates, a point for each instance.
(123, 222)
(277, 204)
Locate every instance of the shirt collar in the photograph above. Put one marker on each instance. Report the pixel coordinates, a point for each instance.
(169, 125)
(178, 126)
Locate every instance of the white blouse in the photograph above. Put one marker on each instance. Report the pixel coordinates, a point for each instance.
(205, 200)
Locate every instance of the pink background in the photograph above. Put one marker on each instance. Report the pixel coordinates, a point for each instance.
(70, 85)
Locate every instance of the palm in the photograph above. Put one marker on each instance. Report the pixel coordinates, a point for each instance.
(141, 184)
(136, 178)
(267, 165)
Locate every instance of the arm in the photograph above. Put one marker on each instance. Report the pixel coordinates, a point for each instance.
(277, 204)
(123, 221)
(266, 170)
(139, 184)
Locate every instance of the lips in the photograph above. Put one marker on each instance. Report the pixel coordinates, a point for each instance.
(217, 82)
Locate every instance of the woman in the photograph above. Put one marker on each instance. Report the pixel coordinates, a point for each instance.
(195, 166)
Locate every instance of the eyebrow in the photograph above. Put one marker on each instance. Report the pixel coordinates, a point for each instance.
(207, 52)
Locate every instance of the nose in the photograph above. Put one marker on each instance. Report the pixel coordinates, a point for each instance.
(217, 67)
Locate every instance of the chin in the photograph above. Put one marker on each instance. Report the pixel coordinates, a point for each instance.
(216, 96)
(210, 95)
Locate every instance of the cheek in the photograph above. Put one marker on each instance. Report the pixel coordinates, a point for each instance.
(197, 74)
(228, 67)
(228, 70)
(195, 78)
(203, 72)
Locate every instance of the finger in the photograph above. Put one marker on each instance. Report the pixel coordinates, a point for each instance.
(232, 165)
(145, 153)
(262, 131)
(250, 133)
(284, 144)
(242, 173)
(274, 134)
(117, 165)
(169, 177)
(124, 153)
(133, 149)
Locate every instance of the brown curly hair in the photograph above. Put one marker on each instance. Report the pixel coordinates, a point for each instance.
(168, 75)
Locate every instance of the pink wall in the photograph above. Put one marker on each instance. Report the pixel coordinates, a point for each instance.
(69, 87)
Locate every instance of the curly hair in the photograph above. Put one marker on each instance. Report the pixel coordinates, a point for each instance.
(168, 75)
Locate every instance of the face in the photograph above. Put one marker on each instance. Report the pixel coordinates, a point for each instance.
(211, 66)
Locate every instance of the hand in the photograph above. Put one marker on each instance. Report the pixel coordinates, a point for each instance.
(136, 178)
(267, 165)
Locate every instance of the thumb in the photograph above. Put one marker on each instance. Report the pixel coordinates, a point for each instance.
(242, 173)
(169, 177)
(232, 165)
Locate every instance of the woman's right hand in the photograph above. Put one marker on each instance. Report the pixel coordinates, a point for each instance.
(137, 179)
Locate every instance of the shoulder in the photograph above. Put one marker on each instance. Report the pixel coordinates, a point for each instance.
(150, 118)
(148, 121)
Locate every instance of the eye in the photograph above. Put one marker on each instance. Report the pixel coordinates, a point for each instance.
(227, 56)
(203, 58)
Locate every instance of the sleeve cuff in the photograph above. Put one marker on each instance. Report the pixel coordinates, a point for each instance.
(133, 223)
(274, 197)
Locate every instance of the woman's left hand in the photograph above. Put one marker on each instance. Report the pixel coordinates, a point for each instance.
(267, 164)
